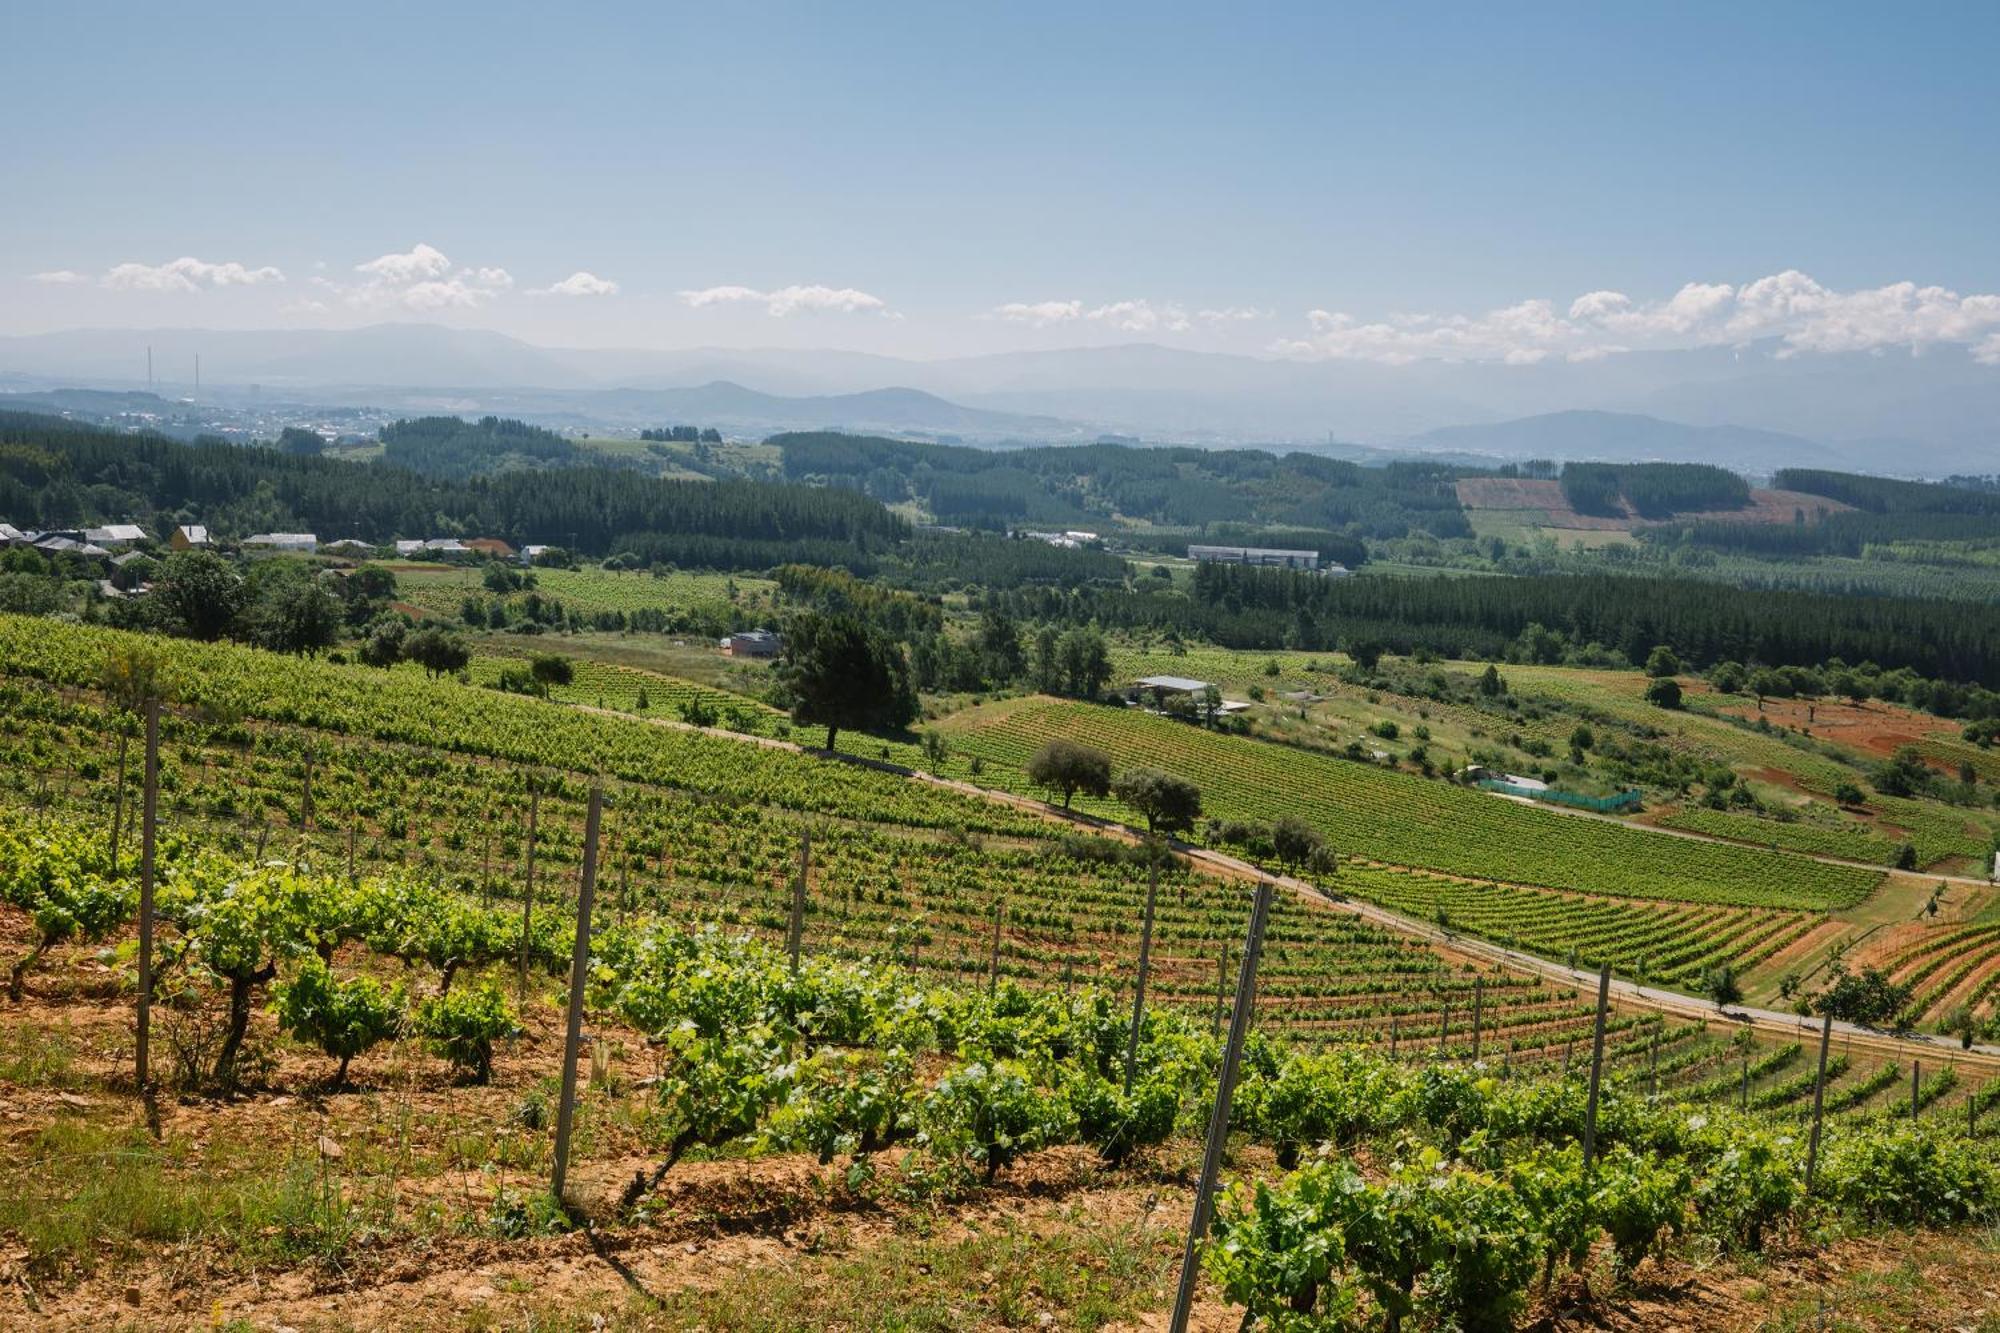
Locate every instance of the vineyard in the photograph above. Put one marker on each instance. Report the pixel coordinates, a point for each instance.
(1405, 820)
(346, 872)
(632, 689)
(715, 833)
(1847, 841)
(878, 1086)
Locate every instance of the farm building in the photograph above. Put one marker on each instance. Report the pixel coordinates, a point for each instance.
(189, 537)
(290, 543)
(753, 643)
(490, 546)
(1165, 687)
(1256, 555)
(115, 534)
(350, 546)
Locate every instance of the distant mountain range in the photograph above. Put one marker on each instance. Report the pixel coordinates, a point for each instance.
(1752, 408)
(1624, 437)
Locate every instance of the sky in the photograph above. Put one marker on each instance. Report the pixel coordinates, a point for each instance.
(1490, 181)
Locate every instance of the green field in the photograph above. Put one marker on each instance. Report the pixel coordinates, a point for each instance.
(440, 590)
(1397, 817)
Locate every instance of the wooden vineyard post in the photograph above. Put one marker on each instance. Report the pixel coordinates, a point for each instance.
(1221, 980)
(1569, 1054)
(118, 805)
(1916, 1083)
(528, 897)
(1745, 1103)
(1819, 1102)
(1444, 1030)
(1395, 1031)
(795, 933)
(486, 871)
(1478, 997)
(148, 832)
(1596, 1066)
(1069, 975)
(1145, 964)
(1218, 1123)
(353, 827)
(993, 961)
(1653, 1064)
(579, 968)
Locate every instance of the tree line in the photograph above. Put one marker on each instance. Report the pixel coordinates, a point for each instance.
(56, 475)
(1244, 607)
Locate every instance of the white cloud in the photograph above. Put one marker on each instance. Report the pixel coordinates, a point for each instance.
(579, 283)
(423, 279)
(784, 302)
(421, 264)
(1133, 316)
(1802, 314)
(452, 293)
(1039, 313)
(60, 277)
(186, 274)
(1235, 314)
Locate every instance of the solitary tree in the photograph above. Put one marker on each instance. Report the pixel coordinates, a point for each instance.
(200, 594)
(1170, 804)
(840, 674)
(1720, 985)
(291, 611)
(1665, 692)
(552, 668)
(1661, 662)
(1294, 840)
(437, 652)
(1084, 662)
(1069, 767)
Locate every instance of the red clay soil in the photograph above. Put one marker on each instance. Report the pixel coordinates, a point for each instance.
(1765, 506)
(1874, 727)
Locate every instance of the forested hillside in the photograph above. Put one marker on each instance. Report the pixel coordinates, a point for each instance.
(1171, 487)
(55, 475)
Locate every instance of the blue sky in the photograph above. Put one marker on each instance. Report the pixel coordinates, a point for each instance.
(931, 180)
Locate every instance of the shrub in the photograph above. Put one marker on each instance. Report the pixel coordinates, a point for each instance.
(463, 1024)
(342, 1018)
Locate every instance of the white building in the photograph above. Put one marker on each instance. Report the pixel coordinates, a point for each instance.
(1270, 556)
(116, 534)
(290, 543)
